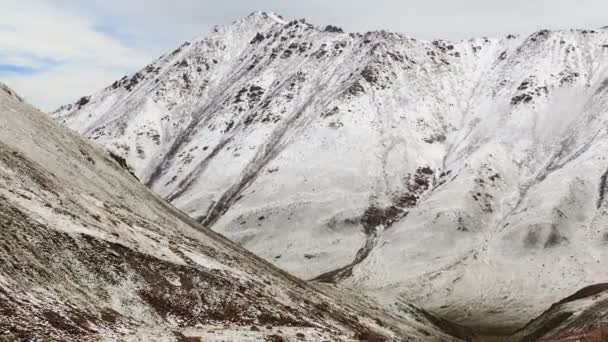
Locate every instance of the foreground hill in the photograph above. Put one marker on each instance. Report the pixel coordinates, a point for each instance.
(468, 177)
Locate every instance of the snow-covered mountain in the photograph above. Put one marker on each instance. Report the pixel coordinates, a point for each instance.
(468, 177)
(89, 253)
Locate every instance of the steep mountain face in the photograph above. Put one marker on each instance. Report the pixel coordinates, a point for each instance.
(89, 253)
(468, 177)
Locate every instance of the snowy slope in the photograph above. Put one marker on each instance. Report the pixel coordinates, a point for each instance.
(89, 253)
(468, 177)
(580, 317)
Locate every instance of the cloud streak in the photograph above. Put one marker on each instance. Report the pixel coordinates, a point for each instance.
(16, 69)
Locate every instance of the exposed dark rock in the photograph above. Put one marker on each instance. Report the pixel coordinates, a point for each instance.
(275, 338)
(370, 74)
(334, 29)
(522, 98)
(258, 38)
(123, 163)
(602, 189)
(435, 138)
(83, 101)
(130, 83)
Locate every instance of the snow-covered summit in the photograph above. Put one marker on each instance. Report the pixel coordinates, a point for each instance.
(426, 171)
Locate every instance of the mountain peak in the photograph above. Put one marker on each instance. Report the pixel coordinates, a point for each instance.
(262, 15)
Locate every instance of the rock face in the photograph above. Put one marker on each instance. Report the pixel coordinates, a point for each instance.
(88, 253)
(468, 177)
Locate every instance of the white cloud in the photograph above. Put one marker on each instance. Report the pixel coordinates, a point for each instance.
(73, 57)
(45, 33)
(60, 85)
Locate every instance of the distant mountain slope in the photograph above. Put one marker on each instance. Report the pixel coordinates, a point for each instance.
(89, 253)
(420, 171)
(580, 317)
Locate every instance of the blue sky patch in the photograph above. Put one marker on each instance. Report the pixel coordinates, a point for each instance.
(17, 69)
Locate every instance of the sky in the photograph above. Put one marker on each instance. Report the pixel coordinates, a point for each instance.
(54, 51)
